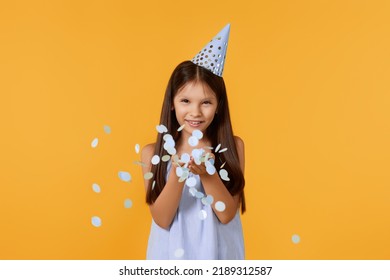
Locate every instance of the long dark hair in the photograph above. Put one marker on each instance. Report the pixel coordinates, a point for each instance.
(219, 132)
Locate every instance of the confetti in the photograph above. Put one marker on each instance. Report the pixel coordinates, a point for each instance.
(220, 206)
(193, 141)
(179, 253)
(128, 203)
(202, 214)
(94, 143)
(223, 150)
(210, 169)
(181, 128)
(191, 182)
(137, 148)
(96, 188)
(193, 191)
(208, 200)
(179, 172)
(296, 239)
(124, 176)
(223, 164)
(198, 134)
(199, 195)
(171, 151)
(161, 128)
(155, 160)
(166, 137)
(153, 185)
(197, 155)
(224, 175)
(165, 158)
(96, 221)
(185, 158)
(148, 176)
(169, 143)
(107, 129)
(217, 148)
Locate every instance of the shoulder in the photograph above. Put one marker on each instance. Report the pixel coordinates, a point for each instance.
(239, 143)
(147, 151)
(240, 151)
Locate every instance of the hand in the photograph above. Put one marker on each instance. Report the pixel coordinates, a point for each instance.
(198, 169)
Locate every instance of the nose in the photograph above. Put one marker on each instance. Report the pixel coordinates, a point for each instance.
(195, 111)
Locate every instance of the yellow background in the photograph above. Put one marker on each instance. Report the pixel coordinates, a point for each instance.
(308, 83)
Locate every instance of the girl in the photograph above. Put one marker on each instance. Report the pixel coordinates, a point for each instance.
(184, 226)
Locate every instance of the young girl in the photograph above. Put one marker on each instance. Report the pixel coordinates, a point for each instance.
(184, 225)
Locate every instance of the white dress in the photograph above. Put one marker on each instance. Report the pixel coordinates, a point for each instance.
(196, 234)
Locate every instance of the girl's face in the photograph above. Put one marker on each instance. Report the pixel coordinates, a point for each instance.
(195, 106)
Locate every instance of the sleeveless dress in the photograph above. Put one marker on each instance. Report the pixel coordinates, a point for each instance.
(195, 234)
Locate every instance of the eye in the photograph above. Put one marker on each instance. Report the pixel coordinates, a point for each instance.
(184, 100)
(207, 102)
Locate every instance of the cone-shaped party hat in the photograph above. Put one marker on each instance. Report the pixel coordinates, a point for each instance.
(212, 56)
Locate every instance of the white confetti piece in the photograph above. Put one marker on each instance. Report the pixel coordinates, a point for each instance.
(185, 158)
(181, 128)
(171, 151)
(197, 155)
(96, 188)
(169, 143)
(179, 253)
(199, 195)
(166, 137)
(217, 148)
(208, 200)
(296, 239)
(185, 175)
(193, 191)
(137, 148)
(155, 160)
(223, 150)
(128, 203)
(193, 141)
(198, 134)
(210, 168)
(94, 143)
(165, 158)
(124, 176)
(148, 176)
(96, 221)
(175, 159)
(223, 164)
(202, 214)
(191, 182)
(220, 206)
(161, 128)
(107, 129)
(179, 171)
(153, 185)
(224, 175)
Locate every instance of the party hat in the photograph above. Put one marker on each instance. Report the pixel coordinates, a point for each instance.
(212, 56)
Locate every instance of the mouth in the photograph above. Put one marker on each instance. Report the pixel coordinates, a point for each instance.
(194, 123)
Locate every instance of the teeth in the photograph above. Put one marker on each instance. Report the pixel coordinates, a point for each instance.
(194, 123)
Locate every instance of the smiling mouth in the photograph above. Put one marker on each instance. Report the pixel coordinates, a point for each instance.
(194, 123)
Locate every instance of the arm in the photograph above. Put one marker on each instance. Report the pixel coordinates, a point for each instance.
(215, 187)
(164, 209)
